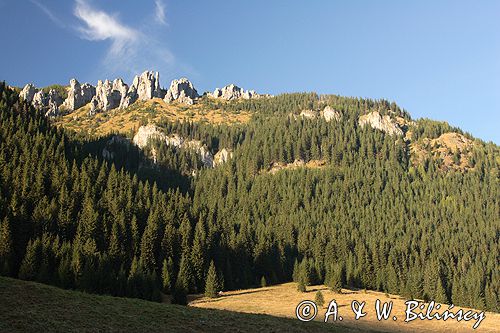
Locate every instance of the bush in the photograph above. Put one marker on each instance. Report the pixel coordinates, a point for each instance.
(318, 299)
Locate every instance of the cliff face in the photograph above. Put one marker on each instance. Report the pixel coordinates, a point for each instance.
(383, 123)
(149, 132)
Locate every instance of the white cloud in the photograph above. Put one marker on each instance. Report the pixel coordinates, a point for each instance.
(160, 12)
(102, 26)
(131, 51)
(49, 13)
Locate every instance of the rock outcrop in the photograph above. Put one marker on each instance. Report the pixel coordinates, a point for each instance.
(450, 151)
(232, 91)
(28, 92)
(78, 95)
(47, 102)
(309, 114)
(298, 163)
(330, 114)
(148, 132)
(144, 87)
(181, 90)
(222, 156)
(108, 95)
(383, 123)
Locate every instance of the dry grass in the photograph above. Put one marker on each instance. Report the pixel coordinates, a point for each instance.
(281, 300)
(34, 307)
(153, 111)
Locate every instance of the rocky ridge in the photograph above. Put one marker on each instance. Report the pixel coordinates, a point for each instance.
(108, 95)
(232, 91)
(47, 102)
(181, 90)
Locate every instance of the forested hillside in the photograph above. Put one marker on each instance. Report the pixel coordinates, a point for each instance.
(372, 216)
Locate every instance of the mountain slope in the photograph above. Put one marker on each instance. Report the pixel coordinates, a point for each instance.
(369, 216)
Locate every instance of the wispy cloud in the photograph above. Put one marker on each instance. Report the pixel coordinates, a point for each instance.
(160, 12)
(49, 13)
(131, 51)
(102, 26)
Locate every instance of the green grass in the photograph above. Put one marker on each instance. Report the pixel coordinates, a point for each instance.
(34, 307)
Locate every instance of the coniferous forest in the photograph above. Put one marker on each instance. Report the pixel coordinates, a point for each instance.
(369, 218)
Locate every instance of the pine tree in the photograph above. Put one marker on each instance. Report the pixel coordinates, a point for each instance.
(212, 286)
(263, 282)
(6, 248)
(31, 262)
(166, 275)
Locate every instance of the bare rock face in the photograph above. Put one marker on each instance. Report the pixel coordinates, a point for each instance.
(49, 103)
(222, 156)
(148, 85)
(148, 132)
(53, 103)
(309, 114)
(144, 87)
(181, 90)
(383, 123)
(145, 133)
(28, 92)
(232, 91)
(78, 95)
(94, 106)
(330, 114)
(108, 95)
(39, 100)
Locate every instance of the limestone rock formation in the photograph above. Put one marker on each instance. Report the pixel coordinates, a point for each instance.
(144, 87)
(330, 113)
(39, 99)
(382, 123)
(148, 85)
(222, 156)
(148, 132)
(78, 95)
(47, 102)
(108, 95)
(232, 91)
(181, 90)
(145, 133)
(28, 92)
(309, 114)
(53, 103)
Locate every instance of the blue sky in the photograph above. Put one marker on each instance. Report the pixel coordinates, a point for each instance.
(436, 59)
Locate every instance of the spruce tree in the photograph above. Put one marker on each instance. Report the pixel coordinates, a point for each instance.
(212, 286)
(318, 299)
(6, 248)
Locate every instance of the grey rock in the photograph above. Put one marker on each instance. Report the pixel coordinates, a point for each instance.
(107, 96)
(181, 90)
(383, 123)
(309, 114)
(232, 91)
(222, 156)
(144, 87)
(78, 95)
(148, 132)
(53, 103)
(28, 92)
(330, 113)
(40, 100)
(94, 106)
